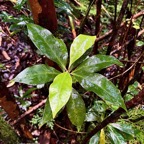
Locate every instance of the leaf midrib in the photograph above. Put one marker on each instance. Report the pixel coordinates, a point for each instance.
(44, 40)
(99, 87)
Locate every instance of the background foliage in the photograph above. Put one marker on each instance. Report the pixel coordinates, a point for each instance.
(79, 84)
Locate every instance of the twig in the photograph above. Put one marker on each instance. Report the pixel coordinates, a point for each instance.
(131, 61)
(128, 68)
(76, 3)
(126, 43)
(70, 130)
(72, 26)
(110, 31)
(85, 18)
(29, 111)
(97, 24)
(6, 56)
(140, 32)
(117, 26)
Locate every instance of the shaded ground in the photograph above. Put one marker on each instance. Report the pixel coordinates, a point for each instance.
(18, 53)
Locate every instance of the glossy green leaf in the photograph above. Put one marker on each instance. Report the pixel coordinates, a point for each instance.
(63, 7)
(104, 88)
(92, 116)
(95, 64)
(55, 49)
(76, 109)
(124, 127)
(59, 92)
(81, 59)
(74, 80)
(100, 106)
(79, 46)
(47, 114)
(96, 112)
(37, 74)
(95, 138)
(115, 136)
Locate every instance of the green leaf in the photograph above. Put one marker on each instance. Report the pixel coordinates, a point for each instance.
(37, 74)
(79, 46)
(81, 59)
(47, 114)
(20, 4)
(115, 136)
(95, 63)
(2, 66)
(59, 92)
(136, 26)
(139, 43)
(27, 94)
(63, 7)
(100, 106)
(96, 112)
(124, 127)
(76, 109)
(92, 116)
(55, 49)
(95, 138)
(104, 88)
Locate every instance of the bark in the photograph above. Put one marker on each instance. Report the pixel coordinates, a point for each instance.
(108, 34)
(97, 26)
(117, 26)
(86, 16)
(44, 14)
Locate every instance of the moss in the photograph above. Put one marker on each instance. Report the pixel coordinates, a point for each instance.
(7, 134)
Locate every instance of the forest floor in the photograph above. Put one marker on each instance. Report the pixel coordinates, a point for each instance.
(16, 54)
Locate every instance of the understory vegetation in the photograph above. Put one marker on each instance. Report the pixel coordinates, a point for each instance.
(72, 71)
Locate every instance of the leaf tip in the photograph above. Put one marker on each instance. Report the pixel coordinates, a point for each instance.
(11, 83)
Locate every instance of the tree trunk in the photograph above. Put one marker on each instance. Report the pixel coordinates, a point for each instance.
(44, 13)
